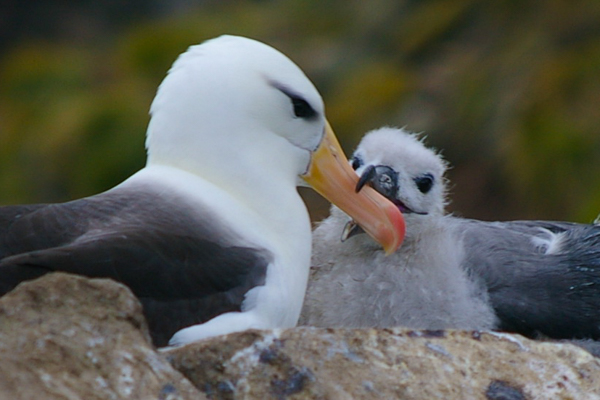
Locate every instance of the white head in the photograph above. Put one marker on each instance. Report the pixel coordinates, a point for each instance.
(241, 115)
(403, 170)
(227, 95)
(397, 164)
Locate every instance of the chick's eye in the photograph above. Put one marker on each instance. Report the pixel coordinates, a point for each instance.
(424, 183)
(302, 109)
(356, 162)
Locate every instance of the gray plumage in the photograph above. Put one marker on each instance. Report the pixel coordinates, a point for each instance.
(537, 278)
(180, 261)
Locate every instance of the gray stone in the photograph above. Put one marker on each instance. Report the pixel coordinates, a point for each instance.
(317, 363)
(68, 337)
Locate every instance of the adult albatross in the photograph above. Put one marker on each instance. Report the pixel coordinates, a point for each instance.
(536, 278)
(211, 235)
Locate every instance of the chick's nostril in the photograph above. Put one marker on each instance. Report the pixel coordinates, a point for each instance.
(385, 181)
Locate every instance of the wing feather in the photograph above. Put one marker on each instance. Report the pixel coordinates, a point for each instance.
(185, 269)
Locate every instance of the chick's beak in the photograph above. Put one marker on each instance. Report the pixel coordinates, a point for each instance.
(330, 174)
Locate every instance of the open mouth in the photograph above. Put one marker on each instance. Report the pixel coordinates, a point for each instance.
(403, 208)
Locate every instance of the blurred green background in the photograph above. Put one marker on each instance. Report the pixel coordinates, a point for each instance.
(510, 90)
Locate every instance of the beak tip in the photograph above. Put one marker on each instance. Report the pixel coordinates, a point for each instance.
(389, 250)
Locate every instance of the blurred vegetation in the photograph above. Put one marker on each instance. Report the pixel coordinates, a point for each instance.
(510, 90)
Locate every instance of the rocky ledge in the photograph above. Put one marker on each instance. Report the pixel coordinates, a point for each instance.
(67, 337)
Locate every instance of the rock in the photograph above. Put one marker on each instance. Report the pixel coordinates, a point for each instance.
(312, 363)
(68, 337)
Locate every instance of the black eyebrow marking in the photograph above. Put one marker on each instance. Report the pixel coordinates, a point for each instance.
(284, 89)
(302, 108)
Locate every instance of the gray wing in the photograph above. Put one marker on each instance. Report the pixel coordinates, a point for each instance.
(184, 269)
(541, 276)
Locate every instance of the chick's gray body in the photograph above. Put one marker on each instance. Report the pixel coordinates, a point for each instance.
(353, 284)
(537, 278)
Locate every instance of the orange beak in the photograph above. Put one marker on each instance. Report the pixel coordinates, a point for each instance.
(330, 174)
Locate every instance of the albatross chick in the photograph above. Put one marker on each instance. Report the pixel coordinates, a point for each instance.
(536, 278)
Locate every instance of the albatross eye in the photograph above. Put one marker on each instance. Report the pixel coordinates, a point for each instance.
(424, 183)
(302, 109)
(356, 162)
